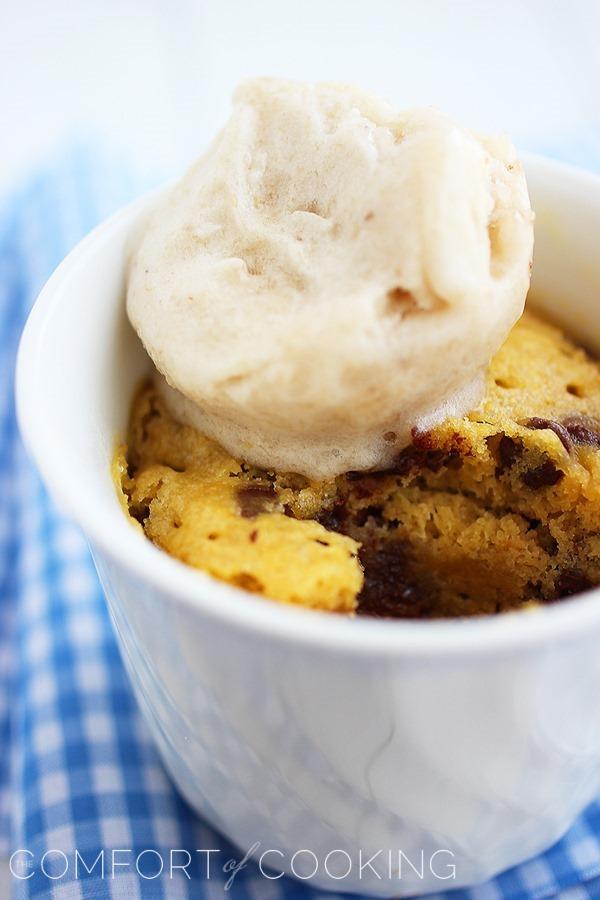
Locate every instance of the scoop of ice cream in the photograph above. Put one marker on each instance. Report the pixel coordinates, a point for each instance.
(330, 275)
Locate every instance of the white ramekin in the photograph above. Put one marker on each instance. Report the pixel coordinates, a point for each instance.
(308, 731)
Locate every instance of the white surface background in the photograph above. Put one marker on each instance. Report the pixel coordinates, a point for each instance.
(153, 78)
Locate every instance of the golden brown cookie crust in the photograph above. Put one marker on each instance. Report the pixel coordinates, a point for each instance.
(495, 511)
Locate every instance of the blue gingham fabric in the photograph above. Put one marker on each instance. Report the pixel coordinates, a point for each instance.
(78, 773)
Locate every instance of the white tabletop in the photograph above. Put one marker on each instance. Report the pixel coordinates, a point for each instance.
(153, 79)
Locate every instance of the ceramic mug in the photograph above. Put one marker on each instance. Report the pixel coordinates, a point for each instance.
(381, 757)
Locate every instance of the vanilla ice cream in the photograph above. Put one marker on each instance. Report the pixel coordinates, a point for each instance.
(330, 275)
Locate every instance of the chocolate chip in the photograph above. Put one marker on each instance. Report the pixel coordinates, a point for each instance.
(334, 519)
(433, 459)
(422, 454)
(572, 581)
(582, 429)
(454, 460)
(507, 450)
(559, 430)
(375, 474)
(544, 475)
(253, 499)
(387, 592)
(408, 459)
(369, 512)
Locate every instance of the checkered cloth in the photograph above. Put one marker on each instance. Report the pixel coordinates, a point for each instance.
(77, 767)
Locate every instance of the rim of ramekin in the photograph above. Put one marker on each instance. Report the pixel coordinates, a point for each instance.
(234, 607)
